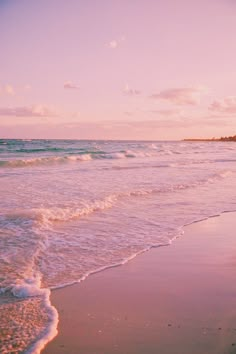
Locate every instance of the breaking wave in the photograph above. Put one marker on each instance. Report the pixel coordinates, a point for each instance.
(79, 157)
(52, 160)
(45, 217)
(44, 161)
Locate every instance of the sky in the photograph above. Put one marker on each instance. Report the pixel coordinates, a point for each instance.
(117, 69)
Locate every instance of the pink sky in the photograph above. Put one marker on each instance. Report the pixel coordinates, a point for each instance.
(109, 69)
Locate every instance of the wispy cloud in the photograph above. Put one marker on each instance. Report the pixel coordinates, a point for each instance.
(227, 105)
(114, 43)
(167, 112)
(70, 85)
(130, 92)
(180, 96)
(28, 111)
(128, 113)
(7, 90)
(27, 87)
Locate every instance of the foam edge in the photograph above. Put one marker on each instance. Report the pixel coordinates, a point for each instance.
(50, 331)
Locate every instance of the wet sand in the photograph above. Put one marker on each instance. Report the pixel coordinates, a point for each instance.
(178, 299)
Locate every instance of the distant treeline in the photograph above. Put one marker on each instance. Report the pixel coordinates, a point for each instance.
(223, 138)
(228, 138)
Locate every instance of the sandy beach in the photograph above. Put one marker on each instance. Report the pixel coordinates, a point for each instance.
(178, 299)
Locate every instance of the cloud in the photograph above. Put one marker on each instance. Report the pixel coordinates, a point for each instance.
(130, 92)
(28, 111)
(180, 96)
(113, 44)
(128, 113)
(27, 87)
(7, 90)
(227, 105)
(167, 112)
(70, 85)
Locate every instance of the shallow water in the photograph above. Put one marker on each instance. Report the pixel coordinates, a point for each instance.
(69, 208)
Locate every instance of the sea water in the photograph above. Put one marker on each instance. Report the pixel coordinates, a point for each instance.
(70, 208)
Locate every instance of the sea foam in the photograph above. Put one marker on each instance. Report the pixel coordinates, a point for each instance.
(36, 311)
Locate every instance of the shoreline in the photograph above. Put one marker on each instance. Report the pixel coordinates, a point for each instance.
(167, 300)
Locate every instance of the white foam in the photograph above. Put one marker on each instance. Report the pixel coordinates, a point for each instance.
(45, 217)
(48, 215)
(84, 157)
(225, 173)
(153, 146)
(130, 153)
(30, 288)
(116, 155)
(50, 331)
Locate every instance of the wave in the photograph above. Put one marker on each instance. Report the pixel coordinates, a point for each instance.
(71, 156)
(46, 217)
(52, 160)
(38, 161)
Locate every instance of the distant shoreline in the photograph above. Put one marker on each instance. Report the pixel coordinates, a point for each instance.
(226, 138)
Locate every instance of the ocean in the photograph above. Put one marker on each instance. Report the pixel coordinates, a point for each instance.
(70, 208)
